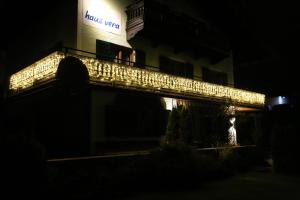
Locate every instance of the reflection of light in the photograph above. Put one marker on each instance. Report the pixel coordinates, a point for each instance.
(230, 110)
(245, 109)
(280, 100)
(232, 120)
(232, 132)
(170, 103)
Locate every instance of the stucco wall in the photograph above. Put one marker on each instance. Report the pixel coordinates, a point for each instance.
(153, 53)
(99, 99)
(87, 34)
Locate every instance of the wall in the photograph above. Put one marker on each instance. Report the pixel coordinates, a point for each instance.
(87, 34)
(153, 53)
(226, 65)
(99, 99)
(124, 120)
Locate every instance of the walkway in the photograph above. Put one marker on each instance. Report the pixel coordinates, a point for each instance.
(250, 186)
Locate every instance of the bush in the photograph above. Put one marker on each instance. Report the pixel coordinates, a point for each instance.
(173, 166)
(230, 160)
(169, 168)
(178, 127)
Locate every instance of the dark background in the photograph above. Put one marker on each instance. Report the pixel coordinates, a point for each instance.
(264, 37)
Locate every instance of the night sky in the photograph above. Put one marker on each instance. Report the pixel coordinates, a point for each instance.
(264, 36)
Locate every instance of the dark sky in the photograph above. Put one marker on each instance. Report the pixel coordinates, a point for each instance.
(19, 25)
(265, 37)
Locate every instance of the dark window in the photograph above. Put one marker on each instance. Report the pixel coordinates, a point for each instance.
(214, 76)
(177, 68)
(140, 58)
(113, 52)
(105, 50)
(136, 115)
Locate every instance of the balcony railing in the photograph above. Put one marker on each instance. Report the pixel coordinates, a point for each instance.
(124, 76)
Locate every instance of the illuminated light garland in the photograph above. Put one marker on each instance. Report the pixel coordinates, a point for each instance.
(40, 71)
(130, 77)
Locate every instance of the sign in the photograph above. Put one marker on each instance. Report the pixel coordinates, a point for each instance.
(101, 15)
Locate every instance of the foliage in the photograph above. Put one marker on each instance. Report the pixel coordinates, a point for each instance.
(169, 168)
(223, 113)
(198, 125)
(179, 129)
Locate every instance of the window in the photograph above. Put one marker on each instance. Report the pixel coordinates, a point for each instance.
(120, 54)
(214, 76)
(177, 68)
(114, 52)
(139, 58)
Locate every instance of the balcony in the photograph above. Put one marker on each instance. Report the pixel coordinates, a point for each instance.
(152, 20)
(109, 74)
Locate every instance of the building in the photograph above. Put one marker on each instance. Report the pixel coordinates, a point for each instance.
(120, 67)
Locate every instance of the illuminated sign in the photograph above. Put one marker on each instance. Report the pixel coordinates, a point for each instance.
(128, 77)
(99, 14)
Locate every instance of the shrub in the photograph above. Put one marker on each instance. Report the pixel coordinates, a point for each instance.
(173, 166)
(179, 127)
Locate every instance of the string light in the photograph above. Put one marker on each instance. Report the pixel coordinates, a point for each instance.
(103, 72)
(39, 71)
(131, 77)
